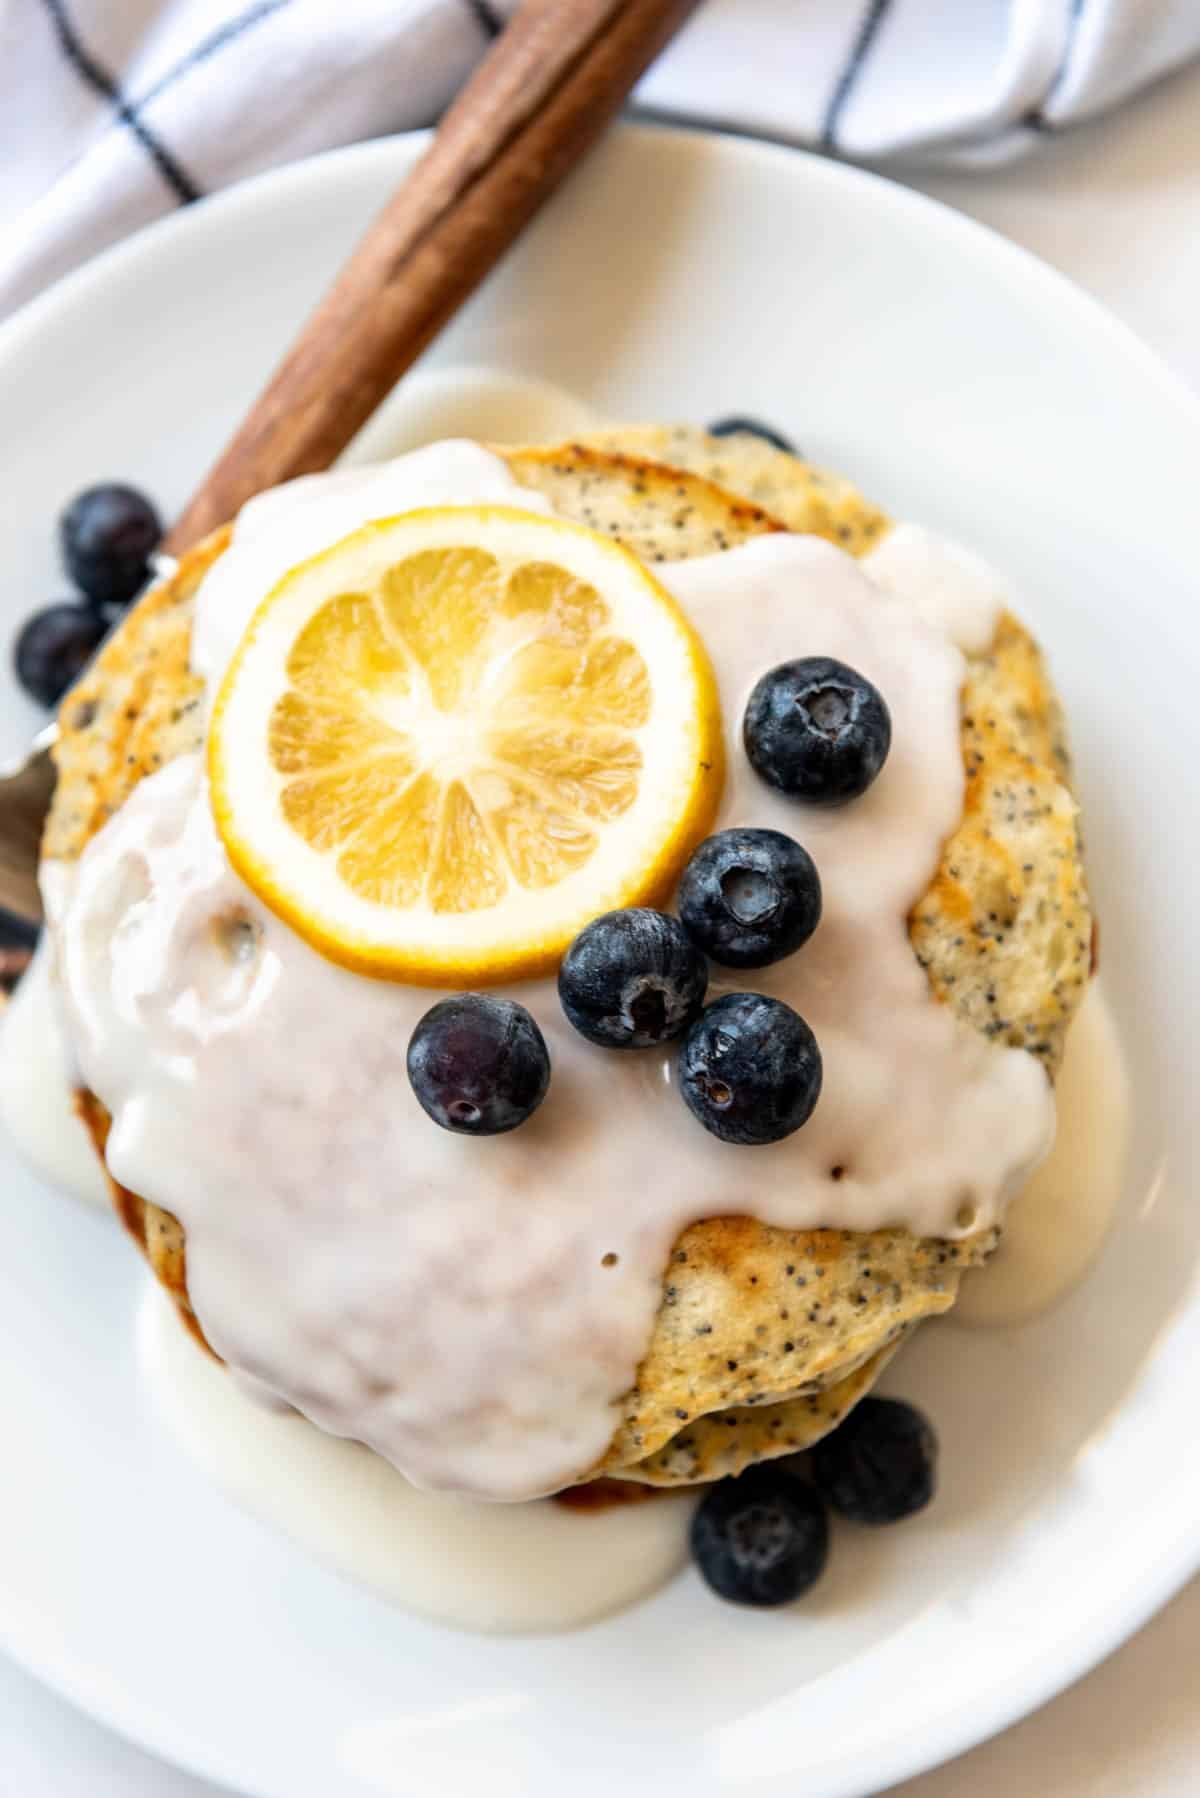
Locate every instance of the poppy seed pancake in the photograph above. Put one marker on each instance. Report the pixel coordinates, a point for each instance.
(764, 1337)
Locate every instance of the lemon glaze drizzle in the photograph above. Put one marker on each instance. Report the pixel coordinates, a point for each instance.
(474, 1310)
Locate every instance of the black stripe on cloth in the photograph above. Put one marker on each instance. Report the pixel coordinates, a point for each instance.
(485, 16)
(225, 34)
(1035, 118)
(97, 77)
(865, 36)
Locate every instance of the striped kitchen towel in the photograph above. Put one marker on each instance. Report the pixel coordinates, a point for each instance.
(114, 111)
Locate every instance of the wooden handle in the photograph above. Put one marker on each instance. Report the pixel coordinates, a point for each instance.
(554, 79)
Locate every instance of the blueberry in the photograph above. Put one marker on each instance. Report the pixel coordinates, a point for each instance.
(762, 1538)
(880, 1464)
(817, 730)
(478, 1065)
(53, 648)
(632, 979)
(108, 534)
(750, 427)
(750, 897)
(750, 1069)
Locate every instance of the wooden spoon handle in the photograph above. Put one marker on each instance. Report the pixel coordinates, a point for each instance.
(553, 80)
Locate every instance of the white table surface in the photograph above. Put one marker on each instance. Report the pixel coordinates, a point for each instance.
(1115, 205)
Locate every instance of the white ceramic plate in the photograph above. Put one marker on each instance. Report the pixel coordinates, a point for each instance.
(962, 384)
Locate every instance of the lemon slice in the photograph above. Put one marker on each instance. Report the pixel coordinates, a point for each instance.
(449, 741)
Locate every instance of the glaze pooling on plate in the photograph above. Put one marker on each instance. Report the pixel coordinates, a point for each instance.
(489, 1305)
(37, 1076)
(499, 1569)
(1058, 1223)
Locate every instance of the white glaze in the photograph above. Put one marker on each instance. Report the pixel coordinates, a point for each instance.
(36, 1078)
(454, 1303)
(493, 1568)
(951, 588)
(1057, 1225)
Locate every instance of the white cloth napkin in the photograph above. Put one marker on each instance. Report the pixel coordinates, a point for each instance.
(113, 112)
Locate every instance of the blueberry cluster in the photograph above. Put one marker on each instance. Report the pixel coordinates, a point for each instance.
(762, 1538)
(107, 535)
(749, 1068)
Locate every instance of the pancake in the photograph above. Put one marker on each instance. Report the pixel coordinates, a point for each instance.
(727, 1442)
(765, 1337)
(809, 500)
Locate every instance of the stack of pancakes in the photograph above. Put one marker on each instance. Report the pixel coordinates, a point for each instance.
(765, 1337)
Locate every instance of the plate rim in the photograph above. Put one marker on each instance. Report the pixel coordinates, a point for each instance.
(1150, 1582)
(39, 311)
